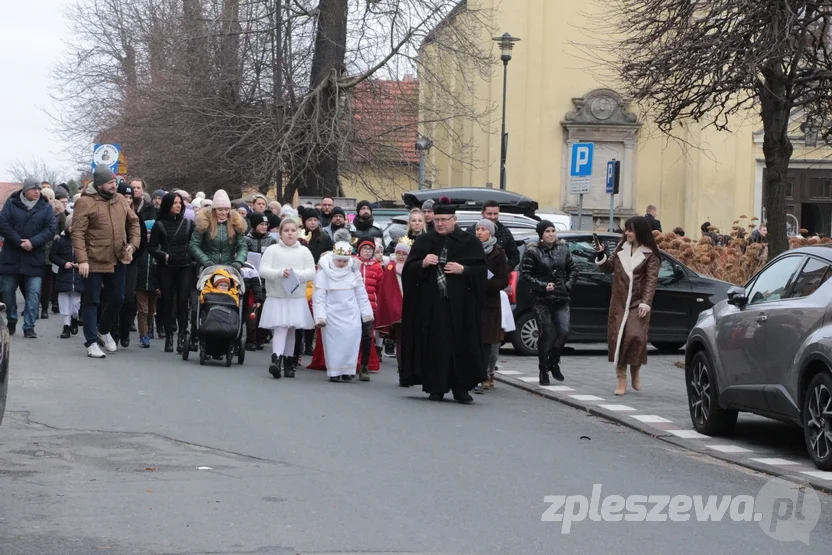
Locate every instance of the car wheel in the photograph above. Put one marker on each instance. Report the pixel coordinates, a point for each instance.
(668, 346)
(526, 336)
(703, 398)
(817, 420)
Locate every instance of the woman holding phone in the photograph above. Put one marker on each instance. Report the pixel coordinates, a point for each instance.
(549, 270)
(635, 267)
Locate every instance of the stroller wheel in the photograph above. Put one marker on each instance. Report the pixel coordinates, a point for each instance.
(202, 355)
(229, 356)
(241, 351)
(186, 351)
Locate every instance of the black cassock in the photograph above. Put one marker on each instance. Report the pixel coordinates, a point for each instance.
(442, 346)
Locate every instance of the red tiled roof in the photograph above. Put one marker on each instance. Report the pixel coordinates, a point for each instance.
(385, 121)
(6, 189)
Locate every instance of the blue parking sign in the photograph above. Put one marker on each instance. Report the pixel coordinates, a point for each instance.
(580, 168)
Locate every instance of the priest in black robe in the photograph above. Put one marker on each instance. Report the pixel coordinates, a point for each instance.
(443, 284)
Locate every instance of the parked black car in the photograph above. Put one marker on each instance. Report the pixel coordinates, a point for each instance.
(4, 360)
(680, 296)
(472, 198)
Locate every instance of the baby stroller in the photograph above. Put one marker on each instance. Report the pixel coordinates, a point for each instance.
(219, 317)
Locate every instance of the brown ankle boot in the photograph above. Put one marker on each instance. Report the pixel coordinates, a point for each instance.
(635, 375)
(621, 374)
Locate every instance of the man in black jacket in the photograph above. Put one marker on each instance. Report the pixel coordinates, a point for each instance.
(650, 216)
(363, 225)
(491, 211)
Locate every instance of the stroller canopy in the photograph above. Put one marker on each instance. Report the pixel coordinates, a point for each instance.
(230, 271)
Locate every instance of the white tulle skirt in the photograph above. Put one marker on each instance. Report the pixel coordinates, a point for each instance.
(507, 316)
(286, 313)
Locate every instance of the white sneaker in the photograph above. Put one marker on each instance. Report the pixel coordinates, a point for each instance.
(109, 343)
(94, 351)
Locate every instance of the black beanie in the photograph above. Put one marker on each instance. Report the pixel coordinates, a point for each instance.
(542, 227)
(257, 218)
(101, 176)
(274, 220)
(124, 188)
(61, 193)
(338, 211)
(309, 213)
(362, 204)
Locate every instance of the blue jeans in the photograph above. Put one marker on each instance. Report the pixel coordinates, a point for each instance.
(31, 285)
(106, 290)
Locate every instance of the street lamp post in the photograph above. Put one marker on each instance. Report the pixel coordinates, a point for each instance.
(506, 42)
(422, 147)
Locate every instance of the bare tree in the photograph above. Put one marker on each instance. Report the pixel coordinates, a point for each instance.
(36, 168)
(207, 93)
(706, 62)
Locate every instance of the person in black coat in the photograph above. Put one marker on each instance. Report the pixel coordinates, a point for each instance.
(128, 308)
(364, 225)
(505, 239)
(27, 224)
(318, 242)
(169, 240)
(147, 292)
(69, 283)
(444, 282)
(550, 271)
(652, 221)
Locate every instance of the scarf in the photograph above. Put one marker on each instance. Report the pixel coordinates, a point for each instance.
(441, 279)
(29, 204)
(363, 225)
(488, 246)
(105, 195)
(342, 275)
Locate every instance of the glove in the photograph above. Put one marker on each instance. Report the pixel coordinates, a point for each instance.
(237, 265)
(320, 323)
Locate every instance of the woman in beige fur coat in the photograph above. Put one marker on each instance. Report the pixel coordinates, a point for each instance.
(635, 267)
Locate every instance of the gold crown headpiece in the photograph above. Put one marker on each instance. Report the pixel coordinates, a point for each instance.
(342, 249)
(405, 240)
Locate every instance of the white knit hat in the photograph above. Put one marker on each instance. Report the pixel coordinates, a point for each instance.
(221, 200)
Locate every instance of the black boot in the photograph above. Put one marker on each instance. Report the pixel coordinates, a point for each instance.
(556, 373)
(290, 364)
(462, 396)
(180, 342)
(169, 343)
(66, 333)
(44, 314)
(544, 377)
(73, 326)
(194, 342)
(276, 366)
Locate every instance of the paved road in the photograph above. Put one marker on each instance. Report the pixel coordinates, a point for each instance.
(144, 453)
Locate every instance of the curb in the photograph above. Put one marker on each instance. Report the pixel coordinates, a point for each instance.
(823, 486)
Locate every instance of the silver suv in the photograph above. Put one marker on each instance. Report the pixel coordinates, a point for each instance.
(768, 350)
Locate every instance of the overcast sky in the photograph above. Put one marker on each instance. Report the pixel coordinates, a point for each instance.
(31, 35)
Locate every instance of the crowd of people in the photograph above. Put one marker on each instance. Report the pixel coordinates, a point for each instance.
(309, 280)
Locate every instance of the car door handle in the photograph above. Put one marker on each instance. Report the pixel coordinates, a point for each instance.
(761, 319)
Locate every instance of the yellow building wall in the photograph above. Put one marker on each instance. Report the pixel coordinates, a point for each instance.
(705, 175)
(388, 183)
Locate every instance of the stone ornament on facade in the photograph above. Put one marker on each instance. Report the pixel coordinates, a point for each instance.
(601, 106)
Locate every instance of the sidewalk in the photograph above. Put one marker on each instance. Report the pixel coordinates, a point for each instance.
(660, 410)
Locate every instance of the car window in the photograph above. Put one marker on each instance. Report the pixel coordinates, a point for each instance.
(771, 284)
(583, 254)
(814, 274)
(666, 270)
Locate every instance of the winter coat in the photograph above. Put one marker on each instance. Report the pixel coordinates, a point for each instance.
(227, 247)
(329, 231)
(67, 281)
(279, 257)
(506, 241)
(492, 323)
(147, 211)
(170, 239)
(259, 244)
(365, 229)
(372, 273)
(16, 224)
(655, 225)
(102, 229)
(319, 245)
(148, 274)
(635, 276)
(543, 265)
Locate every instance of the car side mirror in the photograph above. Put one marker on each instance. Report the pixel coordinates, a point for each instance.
(678, 271)
(737, 296)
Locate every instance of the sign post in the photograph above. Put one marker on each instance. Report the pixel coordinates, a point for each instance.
(580, 174)
(613, 179)
(106, 155)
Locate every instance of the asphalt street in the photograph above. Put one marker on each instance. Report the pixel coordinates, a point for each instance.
(144, 453)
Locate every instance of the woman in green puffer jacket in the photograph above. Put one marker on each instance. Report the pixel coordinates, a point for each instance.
(219, 235)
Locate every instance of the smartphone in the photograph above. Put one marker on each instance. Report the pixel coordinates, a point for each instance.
(596, 240)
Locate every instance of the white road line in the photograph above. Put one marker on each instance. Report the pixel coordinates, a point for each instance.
(729, 449)
(528, 379)
(509, 373)
(617, 408)
(649, 418)
(688, 434)
(556, 388)
(775, 462)
(587, 398)
(819, 474)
